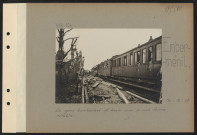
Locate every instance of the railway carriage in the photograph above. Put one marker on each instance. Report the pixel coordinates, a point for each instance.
(104, 69)
(141, 63)
(139, 68)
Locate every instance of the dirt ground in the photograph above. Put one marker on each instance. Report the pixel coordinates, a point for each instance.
(106, 93)
(99, 92)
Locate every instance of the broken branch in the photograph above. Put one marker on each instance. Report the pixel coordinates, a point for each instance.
(57, 40)
(70, 38)
(74, 41)
(67, 31)
(58, 30)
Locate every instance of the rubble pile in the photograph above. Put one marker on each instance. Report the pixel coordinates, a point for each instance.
(102, 92)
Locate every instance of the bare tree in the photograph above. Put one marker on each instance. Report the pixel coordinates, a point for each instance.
(61, 41)
(71, 47)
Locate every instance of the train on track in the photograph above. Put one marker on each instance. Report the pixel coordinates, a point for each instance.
(142, 63)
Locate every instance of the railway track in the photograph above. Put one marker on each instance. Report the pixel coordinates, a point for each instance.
(147, 94)
(128, 95)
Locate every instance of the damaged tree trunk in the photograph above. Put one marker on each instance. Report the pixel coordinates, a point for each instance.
(60, 39)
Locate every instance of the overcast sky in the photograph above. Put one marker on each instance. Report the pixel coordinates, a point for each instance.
(98, 45)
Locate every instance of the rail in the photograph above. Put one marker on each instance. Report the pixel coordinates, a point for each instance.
(145, 94)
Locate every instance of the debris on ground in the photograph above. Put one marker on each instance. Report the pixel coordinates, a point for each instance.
(97, 91)
(122, 96)
(103, 92)
(132, 99)
(100, 91)
(95, 85)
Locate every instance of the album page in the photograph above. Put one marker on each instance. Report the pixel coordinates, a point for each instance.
(113, 67)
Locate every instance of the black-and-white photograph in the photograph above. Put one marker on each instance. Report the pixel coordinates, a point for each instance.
(108, 66)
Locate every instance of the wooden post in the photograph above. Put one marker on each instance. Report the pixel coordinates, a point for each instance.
(82, 91)
(83, 95)
(160, 98)
(86, 94)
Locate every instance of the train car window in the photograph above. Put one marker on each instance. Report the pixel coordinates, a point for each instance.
(107, 64)
(138, 57)
(150, 53)
(114, 63)
(131, 59)
(135, 58)
(158, 52)
(125, 60)
(119, 61)
(144, 56)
